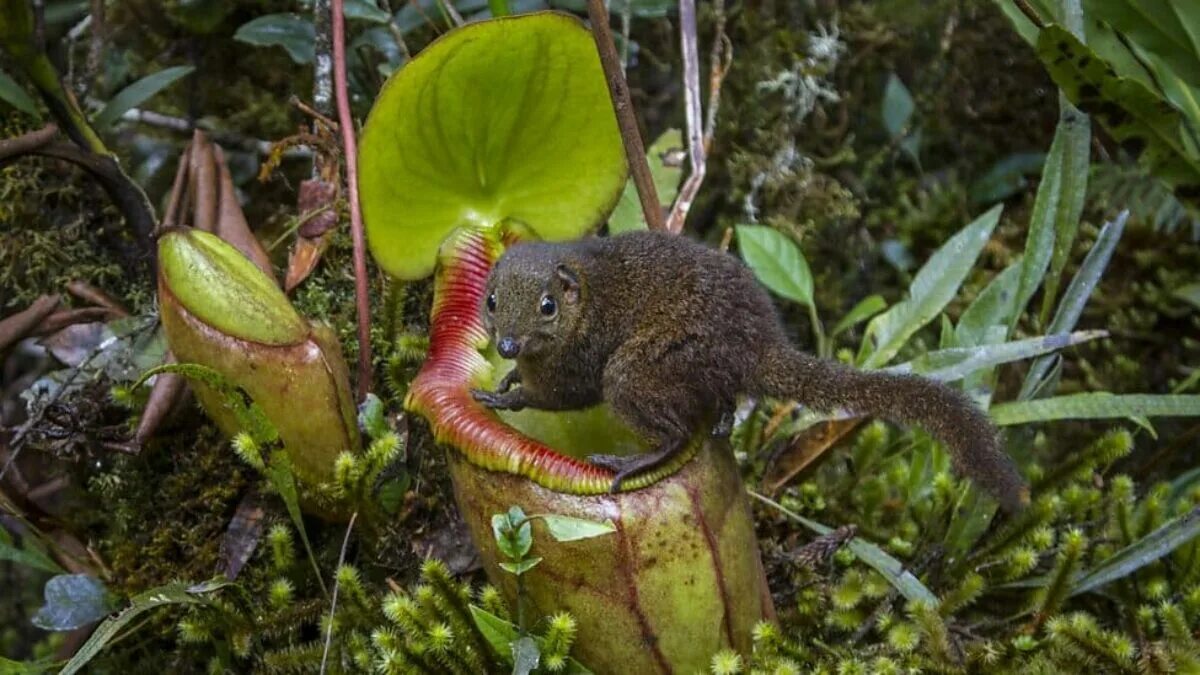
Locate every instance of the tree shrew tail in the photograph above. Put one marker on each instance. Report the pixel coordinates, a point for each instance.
(946, 413)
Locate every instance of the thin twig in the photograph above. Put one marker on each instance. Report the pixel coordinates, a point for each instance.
(1030, 13)
(695, 123)
(27, 142)
(618, 89)
(720, 58)
(318, 116)
(341, 560)
(226, 138)
(350, 150)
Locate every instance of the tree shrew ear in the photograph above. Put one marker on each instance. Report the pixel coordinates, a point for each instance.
(569, 282)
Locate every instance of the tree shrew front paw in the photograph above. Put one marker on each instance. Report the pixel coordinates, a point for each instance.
(498, 401)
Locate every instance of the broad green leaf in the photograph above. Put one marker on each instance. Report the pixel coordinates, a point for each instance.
(294, 33)
(137, 93)
(279, 472)
(898, 107)
(1078, 134)
(1076, 296)
(12, 94)
(1095, 406)
(777, 262)
(1154, 26)
(893, 570)
(1058, 203)
(460, 136)
(500, 634)
(993, 306)
(628, 213)
(865, 309)
(26, 555)
(176, 593)
(956, 363)
(1145, 125)
(365, 10)
(934, 286)
(519, 568)
(568, 528)
(513, 533)
(72, 601)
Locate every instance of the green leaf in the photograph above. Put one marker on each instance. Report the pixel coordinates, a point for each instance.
(893, 570)
(628, 214)
(279, 472)
(898, 107)
(865, 309)
(500, 634)
(932, 289)
(1154, 26)
(28, 555)
(1077, 129)
(12, 94)
(521, 567)
(1146, 125)
(249, 415)
(525, 655)
(372, 418)
(777, 262)
(137, 93)
(568, 528)
(1142, 552)
(513, 533)
(1095, 406)
(993, 306)
(72, 601)
(1057, 206)
(290, 31)
(365, 10)
(1076, 297)
(176, 593)
(1006, 177)
(461, 137)
(956, 363)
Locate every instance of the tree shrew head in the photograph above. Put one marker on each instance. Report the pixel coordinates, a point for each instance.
(532, 301)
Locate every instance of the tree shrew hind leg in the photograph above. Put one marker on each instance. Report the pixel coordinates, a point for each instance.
(632, 465)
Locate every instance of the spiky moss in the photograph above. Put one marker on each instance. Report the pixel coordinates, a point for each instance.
(841, 617)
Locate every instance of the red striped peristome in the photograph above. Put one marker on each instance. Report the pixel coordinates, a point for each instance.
(441, 391)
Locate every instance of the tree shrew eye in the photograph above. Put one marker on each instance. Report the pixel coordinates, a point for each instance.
(491, 302)
(549, 306)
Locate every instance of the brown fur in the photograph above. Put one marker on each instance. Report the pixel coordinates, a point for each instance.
(670, 332)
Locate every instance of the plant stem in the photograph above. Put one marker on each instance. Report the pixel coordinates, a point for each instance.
(818, 332)
(618, 89)
(346, 124)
